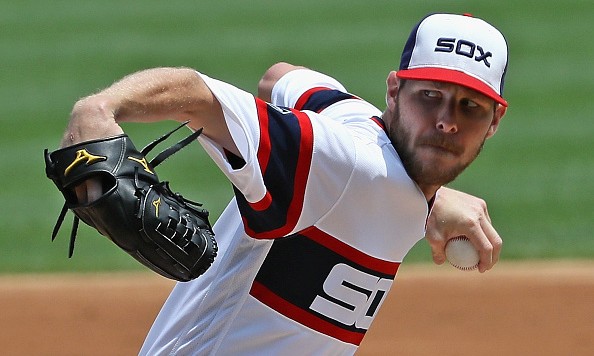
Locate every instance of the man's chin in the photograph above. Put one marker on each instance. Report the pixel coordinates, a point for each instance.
(437, 171)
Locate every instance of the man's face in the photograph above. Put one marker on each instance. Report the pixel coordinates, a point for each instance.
(438, 129)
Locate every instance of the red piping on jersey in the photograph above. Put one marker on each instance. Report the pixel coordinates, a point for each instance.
(266, 296)
(379, 122)
(264, 144)
(305, 96)
(301, 174)
(350, 252)
(263, 203)
(263, 153)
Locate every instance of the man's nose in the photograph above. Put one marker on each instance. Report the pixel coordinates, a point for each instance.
(446, 120)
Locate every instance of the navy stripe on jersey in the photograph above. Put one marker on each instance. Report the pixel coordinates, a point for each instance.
(318, 98)
(284, 154)
(324, 284)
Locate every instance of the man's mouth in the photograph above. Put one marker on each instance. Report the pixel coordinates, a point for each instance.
(442, 145)
(441, 148)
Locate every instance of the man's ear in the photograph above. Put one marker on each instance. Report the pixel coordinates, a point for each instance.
(392, 84)
(499, 114)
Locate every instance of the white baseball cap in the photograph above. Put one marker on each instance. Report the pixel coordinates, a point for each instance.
(458, 49)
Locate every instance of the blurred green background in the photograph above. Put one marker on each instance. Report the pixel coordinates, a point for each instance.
(536, 173)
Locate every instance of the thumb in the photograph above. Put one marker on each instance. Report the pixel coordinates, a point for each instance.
(438, 256)
(437, 245)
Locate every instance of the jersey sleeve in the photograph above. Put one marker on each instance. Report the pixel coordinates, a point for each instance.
(279, 157)
(305, 89)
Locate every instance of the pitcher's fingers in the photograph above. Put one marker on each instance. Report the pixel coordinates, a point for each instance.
(495, 240)
(438, 253)
(437, 244)
(488, 243)
(94, 190)
(483, 210)
(482, 244)
(81, 193)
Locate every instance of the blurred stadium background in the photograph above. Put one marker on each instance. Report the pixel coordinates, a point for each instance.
(536, 173)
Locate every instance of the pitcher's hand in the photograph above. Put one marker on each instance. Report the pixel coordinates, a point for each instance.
(90, 119)
(456, 213)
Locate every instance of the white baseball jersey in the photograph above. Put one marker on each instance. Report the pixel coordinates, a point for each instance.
(323, 215)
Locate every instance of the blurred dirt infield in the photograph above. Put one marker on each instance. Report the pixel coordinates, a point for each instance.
(516, 309)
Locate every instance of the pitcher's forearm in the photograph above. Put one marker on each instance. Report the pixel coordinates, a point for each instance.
(150, 95)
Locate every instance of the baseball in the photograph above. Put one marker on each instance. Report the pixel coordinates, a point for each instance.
(462, 254)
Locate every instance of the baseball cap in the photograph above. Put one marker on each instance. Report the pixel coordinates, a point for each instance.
(458, 49)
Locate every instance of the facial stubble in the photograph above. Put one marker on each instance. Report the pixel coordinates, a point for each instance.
(422, 172)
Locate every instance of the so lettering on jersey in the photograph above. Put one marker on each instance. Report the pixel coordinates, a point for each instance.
(336, 289)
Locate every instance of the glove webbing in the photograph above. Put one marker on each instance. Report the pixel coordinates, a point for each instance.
(162, 156)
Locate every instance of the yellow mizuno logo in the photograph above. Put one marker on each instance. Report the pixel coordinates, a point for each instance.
(156, 204)
(83, 156)
(142, 162)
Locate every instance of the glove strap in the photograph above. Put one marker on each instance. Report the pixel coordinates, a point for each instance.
(75, 224)
(173, 149)
(73, 236)
(59, 221)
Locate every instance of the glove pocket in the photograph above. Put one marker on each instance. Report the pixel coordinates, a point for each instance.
(114, 214)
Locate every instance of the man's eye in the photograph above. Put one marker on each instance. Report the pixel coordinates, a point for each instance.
(469, 103)
(431, 93)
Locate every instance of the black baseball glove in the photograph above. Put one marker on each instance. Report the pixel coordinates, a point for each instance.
(162, 230)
